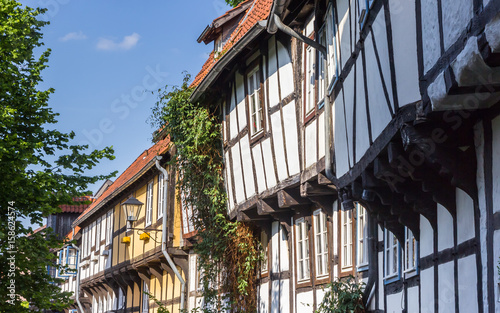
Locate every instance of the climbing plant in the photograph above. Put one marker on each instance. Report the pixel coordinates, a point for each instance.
(228, 250)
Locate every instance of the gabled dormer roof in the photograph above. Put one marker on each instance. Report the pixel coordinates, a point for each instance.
(211, 31)
(252, 23)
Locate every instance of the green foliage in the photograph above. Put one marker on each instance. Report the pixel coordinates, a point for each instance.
(40, 170)
(343, 296)
(228, 251)
(234, 3)
(161, 306)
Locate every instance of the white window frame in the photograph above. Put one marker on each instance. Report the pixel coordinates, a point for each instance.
(256, 108)
(302, 241)
(145, 298)
(310, 80)
(361, 236)
(161, 195)
(149, 203)
(391, 256)
(320, 91)
(321, 242)
(98, 234)
(346, 239)
(410, 252)
(264, 239)
(109, 227)
(93, 233)
(331, 46)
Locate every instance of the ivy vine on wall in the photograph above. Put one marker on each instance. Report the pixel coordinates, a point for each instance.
(229, 252)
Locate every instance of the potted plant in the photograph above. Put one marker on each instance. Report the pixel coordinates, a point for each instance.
(343, 296)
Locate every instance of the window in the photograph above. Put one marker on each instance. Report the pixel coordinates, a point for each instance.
(145, 298)
(72, 258)
(302, 249)
(410, 249)
(321, 242)
(98, 234)
(391, 255)
(321, 67)
(109, 225)
(93, 233)
(346, 237)
(89, 239)
(362, 237)
(161, 195)
(218, 44)
(255, 102)
(309, 80)
(331, 46)
(265, 245)
(149, 203)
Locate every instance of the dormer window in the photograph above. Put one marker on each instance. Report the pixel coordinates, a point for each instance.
(218, 44)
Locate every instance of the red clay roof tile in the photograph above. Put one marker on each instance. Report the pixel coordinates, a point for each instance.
(158, 148)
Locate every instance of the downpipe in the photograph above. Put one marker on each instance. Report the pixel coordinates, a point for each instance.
(77, 291)
(164, 231)
(369, 291)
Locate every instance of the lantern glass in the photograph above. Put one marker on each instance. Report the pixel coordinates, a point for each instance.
(132, 208)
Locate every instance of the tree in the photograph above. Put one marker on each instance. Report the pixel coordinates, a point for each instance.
(233, 3)
(39, 168)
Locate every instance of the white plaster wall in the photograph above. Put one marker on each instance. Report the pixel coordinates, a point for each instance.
(304, 302)
(426, 237)
(379, 111)
(341, 148)
(404, 40)
(413, 297)
(309, 26)
(275, 296)
(349, 107)
(445, 228)
(268, 163)
(467, 285)
(446, 287)
(456, 16)
(275, 249)
(380, 287)
(310, 144)
(465, 216)
(430, 33)
(285, 70)
(284, 254)
(240, 100)
(264, 298)
(284, 296)
(229, 183)
(237, 172)
(427, 292)
(259, 168)
(495, 127)
(394, 303)
(291, 137)
(247, 166)
(362, 137)
(321, 135)
(273, 73)
(344, 30)
(233, 121)
(279, 148)
(320, 294)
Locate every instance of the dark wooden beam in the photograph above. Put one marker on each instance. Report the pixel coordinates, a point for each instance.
(311, 189)
(290, 198)
(156, 270)
(324, 202)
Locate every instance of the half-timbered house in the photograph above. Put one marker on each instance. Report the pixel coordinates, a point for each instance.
(127, 256)
(361, 136)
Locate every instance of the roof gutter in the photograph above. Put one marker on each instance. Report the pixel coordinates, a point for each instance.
(164, 231)
(277, 9)
(255, 31)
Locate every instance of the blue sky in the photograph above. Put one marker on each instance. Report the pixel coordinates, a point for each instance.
(107, 57)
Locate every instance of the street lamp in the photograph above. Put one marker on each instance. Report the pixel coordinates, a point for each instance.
(132, 209)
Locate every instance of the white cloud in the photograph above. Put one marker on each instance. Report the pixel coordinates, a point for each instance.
(73, 36)
(127, 43)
